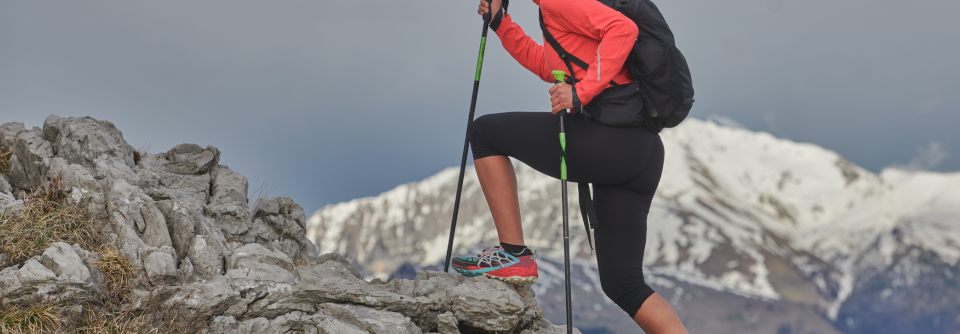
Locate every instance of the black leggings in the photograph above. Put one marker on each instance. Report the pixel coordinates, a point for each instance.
(624, 165)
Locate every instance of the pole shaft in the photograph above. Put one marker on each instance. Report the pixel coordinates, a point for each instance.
(466, 145)
(566, 224)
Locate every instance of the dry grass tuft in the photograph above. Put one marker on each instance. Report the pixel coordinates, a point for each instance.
(152, 317)
(118, 272)
(5, 154)
(139, 152)
(114, 316)
(43, 219)
(33, 319)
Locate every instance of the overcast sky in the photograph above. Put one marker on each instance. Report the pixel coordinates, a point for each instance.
(325, 101)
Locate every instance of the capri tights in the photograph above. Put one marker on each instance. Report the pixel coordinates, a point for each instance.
(623, 163)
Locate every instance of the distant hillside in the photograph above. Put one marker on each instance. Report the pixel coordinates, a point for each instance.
(780, 236)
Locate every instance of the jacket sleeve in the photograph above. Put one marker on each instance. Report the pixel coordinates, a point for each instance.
(523, 48)
(590, 18)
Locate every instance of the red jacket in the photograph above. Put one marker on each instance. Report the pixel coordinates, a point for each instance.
(591, 31)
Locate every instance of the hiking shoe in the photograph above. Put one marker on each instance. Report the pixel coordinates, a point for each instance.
(499, 264)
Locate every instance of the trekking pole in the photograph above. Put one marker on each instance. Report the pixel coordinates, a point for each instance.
(466, 142)
(558, 77)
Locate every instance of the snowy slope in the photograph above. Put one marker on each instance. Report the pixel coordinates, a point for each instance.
(736, 211)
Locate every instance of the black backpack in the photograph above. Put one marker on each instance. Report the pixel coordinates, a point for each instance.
(658, 68)
(655, 62)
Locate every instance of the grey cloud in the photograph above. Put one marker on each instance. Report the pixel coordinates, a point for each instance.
(332, 100)
(928, 157)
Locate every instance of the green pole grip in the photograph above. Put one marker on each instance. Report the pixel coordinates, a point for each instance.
(563, 158)
(559, 76)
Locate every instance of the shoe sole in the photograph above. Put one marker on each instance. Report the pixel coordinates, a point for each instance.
(516, 280)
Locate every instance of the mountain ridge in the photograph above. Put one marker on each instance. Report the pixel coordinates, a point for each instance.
(736, 211)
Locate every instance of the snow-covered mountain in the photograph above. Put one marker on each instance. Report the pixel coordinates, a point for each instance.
(739, 216)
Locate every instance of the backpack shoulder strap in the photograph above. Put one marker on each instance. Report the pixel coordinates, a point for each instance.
(567, 58)
(587, 211)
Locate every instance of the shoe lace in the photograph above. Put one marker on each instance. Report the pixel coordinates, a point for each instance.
(494, 254)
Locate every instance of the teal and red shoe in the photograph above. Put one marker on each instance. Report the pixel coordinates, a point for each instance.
(496, 263)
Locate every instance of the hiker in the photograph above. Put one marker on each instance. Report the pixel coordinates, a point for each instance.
(623, 162)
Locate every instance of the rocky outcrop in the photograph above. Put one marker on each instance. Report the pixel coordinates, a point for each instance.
(186, 224)
(60, 274)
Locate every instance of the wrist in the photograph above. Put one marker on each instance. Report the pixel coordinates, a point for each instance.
(577, 106)
(497, 19)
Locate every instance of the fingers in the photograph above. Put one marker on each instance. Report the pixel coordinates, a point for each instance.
(484, 7)
(557, 103)
(560, 97)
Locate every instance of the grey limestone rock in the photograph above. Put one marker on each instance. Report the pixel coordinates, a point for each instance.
(186, 272)
(339, 258)
(370, 319)
(228, 204)
(256, 325)
(191, 159)
(161, 268)
(130, 208)
(215, 294)
(60, 274)
(257, 253)
(223, 324)
(51, 127)
(109, 170)
(292, 322)
(8, 279)
(26, 164)
(228, 187)
(489, 305)
(82, 187)
(9, 131)
(33, 271)
(96, 145)
(85, 140)
(163, 185)
(230, 325)
(5, 187)
(90, 259)
(255, 262)
(286, 219)
(8, 202)
(207, 257)
(186, 221)
(182, 221)
(65, 263)
(233, 220)
(433, 283)
(26, 285)
(447, 323)
(330, 325)
(257, 271)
